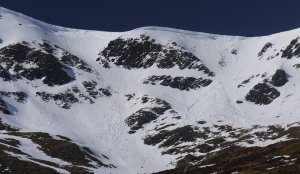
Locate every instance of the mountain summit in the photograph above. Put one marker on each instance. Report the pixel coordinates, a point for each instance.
(145, 101)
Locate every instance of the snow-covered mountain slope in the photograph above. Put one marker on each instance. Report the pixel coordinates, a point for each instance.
(146, 100)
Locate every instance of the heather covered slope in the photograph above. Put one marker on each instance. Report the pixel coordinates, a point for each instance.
(146, 100)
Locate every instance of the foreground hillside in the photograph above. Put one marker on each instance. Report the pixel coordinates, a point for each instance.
(146, 101)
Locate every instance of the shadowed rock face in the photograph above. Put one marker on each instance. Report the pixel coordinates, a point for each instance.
(144, 52)
(41, 65)
(279, 78)
(262, 94)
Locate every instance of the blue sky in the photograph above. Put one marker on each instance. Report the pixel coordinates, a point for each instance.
(231, 17)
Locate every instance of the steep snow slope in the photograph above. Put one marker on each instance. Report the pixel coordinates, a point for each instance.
(131, 96)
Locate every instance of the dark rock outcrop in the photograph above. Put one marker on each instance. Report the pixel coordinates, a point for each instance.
(264, 49)
(47, 47)
(42, 66)
(19, 96)
(105, 92)
(144, 52)
(169, 138)
(297, 65)
(262, 94)
(147, 114)
(4, 74)
(94, 92)
(292, 50)
(67, 58)
(64, 100)
(279, 78)
(181, 83)
(73, 61)
(139, 118)
(4, 108)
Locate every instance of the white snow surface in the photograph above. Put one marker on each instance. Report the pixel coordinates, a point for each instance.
(101, 126)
